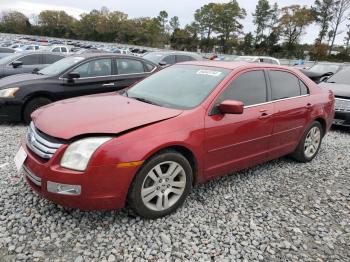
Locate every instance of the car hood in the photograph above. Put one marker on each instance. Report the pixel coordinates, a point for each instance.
(19, 79)
(338, 89)
(98, 114)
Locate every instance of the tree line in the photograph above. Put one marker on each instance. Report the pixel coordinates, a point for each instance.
(217, 27)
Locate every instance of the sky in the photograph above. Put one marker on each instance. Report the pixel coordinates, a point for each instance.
(184, 9)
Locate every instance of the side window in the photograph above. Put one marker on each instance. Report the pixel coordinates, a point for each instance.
(284, 85)
(183, 58)
(100, 67)
(169, 60)
(64, 50)
(129, 66)
(56, 50)
(50, 59)
(249, 88)
(36, 47)
(30, 60)
(149, 67)
(304, 90)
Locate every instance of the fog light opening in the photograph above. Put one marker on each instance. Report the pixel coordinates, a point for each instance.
(63, 189)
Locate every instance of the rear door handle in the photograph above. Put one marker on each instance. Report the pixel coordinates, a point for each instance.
(109, 84)
(308, 106)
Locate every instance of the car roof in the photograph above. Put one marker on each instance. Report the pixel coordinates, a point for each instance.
(109, 55)
(231, 65)
(175, 53)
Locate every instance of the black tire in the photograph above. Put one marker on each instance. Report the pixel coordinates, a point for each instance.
(33, 105)
(299, 153)
(135, 198)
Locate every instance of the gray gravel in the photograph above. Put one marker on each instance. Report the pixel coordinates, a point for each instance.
(281, 210)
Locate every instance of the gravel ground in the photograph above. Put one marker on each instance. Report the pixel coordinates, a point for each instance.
(281, 210)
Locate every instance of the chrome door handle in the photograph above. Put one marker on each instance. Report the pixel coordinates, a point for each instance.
(109, 84)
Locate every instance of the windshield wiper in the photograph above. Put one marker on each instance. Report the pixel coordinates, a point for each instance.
(145, 100)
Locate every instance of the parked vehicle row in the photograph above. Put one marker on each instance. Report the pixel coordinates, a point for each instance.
(72, 76)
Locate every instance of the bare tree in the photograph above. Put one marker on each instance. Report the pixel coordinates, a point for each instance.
(339, 16)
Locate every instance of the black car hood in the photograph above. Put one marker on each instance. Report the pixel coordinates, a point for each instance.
(338, 89)
(17, 80)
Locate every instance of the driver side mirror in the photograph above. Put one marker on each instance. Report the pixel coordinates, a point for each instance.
(16, 64)
(162, 63)
(231, 107)
(72, 76)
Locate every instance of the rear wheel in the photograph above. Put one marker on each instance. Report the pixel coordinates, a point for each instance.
(310, 143)
(33, 105)
(161, 185)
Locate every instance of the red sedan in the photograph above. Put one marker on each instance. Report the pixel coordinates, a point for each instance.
(184, 125)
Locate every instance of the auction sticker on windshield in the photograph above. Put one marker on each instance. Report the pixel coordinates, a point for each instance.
(20, 158)
(209, 72)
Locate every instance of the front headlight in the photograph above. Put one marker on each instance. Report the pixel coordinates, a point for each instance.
(9, 92)
(78, 154)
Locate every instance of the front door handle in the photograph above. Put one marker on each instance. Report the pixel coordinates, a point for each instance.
(264, 115)
(109, 84)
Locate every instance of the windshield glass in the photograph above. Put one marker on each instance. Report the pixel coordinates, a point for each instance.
(342, 77)
(179, 86)
(60, 66)
(7, 59)
(154, 57)
(325, 68)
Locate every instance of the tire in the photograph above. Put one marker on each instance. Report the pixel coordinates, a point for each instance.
(33, 105)
(153, 184)
(310, 141)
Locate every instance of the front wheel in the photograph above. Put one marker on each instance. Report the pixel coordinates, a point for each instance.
(310, 143)
(33, 105)
(161, 185)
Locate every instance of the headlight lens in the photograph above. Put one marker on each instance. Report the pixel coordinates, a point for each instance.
(78, 154)
(9, 92)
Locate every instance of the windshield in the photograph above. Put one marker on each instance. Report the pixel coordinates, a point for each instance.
(325, 68)
(60, 66)
(154, 57)
(179, 86)
(342, 77)
(7, 59)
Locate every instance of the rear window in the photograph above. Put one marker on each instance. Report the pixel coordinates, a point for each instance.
(284, 85)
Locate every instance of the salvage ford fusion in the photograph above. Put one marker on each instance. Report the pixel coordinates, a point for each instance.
(186, 124)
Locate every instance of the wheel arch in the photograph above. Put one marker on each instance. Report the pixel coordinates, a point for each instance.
(186, 152)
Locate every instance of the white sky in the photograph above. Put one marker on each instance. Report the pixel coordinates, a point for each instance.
(184, 9)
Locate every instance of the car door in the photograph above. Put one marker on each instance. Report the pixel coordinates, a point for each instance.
(29, 63)
(95, 77)
(292, 106)
(237, 141)
(129, 72)
(49, 59)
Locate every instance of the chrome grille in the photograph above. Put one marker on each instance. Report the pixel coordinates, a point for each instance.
(39, 145)
(342, 105)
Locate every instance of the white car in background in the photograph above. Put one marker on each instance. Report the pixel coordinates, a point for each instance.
(27, 48)
(59, 49)
(258, 59)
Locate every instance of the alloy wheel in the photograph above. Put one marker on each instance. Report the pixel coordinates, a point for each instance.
(163, 186)
(312, 142)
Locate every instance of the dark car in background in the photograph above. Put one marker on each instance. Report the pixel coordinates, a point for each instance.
(19, 63)
(72, 76)
(322, 71)
(339, 83)
(166, 58)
